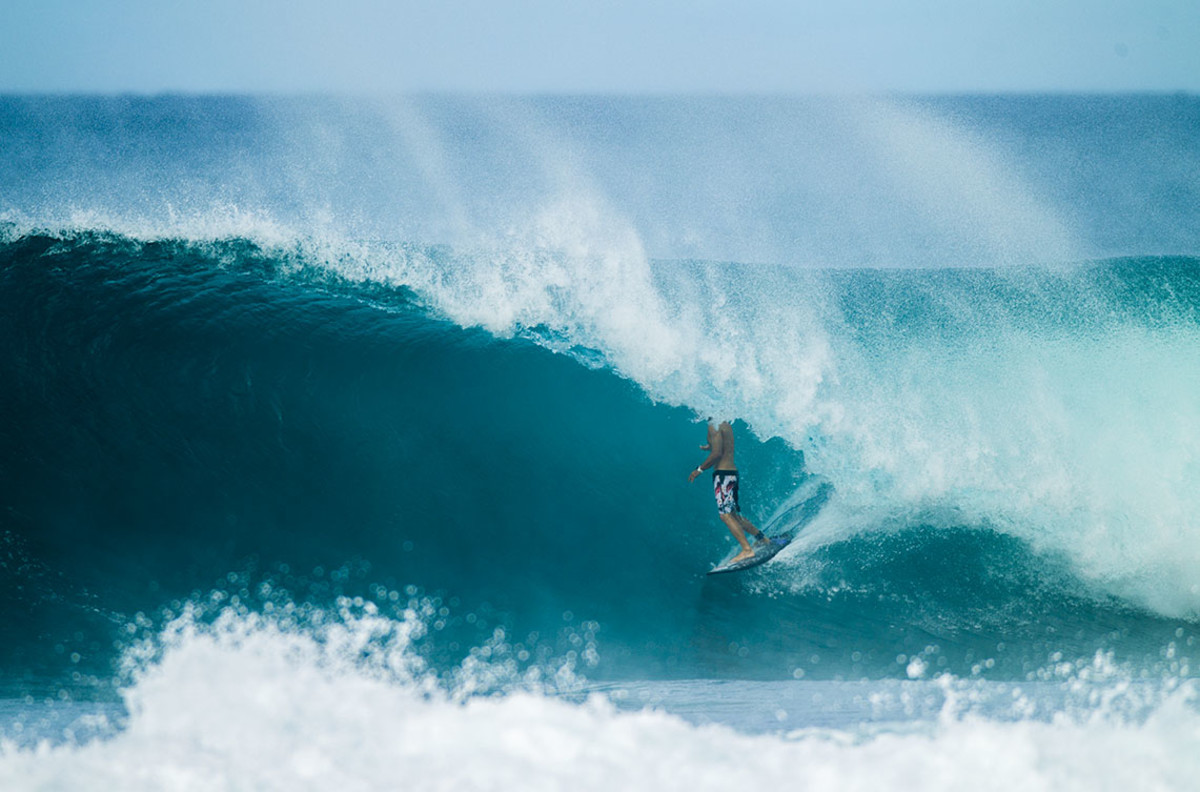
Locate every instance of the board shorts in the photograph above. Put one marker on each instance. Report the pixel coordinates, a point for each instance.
(725, 489)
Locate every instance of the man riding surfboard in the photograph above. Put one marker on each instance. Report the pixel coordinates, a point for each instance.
(725, 487)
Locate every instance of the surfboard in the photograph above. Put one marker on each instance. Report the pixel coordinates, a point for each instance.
(762, 554)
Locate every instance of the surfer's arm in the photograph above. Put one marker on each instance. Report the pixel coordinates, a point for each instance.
(714, 455)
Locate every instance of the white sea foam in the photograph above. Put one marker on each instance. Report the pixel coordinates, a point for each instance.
(254, 704)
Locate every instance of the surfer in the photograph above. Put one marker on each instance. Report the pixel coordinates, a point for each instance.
(725, 487)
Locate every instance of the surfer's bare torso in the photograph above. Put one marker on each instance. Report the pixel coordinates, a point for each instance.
(720, 441)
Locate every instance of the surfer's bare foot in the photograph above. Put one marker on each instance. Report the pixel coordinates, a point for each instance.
(742, 556)
(762, 539)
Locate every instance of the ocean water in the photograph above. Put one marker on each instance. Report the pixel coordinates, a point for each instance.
(344, 442)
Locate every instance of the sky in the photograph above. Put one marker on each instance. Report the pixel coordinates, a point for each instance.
(588, 46)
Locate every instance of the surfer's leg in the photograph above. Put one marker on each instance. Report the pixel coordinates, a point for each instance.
(725, 487)
(749, 528)
(735, 528)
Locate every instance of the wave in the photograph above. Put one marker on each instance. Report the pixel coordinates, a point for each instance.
(979, 491)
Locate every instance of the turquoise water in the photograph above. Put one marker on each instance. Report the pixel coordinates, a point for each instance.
(341, 427)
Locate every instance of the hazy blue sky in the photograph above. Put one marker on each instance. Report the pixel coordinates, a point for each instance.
(621, 45)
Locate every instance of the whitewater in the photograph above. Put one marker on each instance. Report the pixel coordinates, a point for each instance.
(345, 442)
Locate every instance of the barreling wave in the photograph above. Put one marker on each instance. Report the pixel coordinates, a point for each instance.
(991, 468)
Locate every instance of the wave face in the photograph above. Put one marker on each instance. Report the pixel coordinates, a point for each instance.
(308, 404)
(180, 412)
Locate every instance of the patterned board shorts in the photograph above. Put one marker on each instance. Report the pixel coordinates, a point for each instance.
(725, 488)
